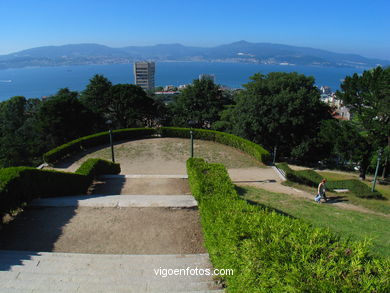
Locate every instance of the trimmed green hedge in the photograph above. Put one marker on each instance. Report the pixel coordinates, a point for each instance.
(96, 139)
(255, 150)
(96, 167)
(270, 252)
(22, 184)
(312, 178)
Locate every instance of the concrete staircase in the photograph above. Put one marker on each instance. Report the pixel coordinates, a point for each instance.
(23, 271)
(27, 271)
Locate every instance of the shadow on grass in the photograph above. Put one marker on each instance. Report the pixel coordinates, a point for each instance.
(242, 192)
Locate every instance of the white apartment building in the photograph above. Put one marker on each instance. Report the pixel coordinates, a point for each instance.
(144, 74)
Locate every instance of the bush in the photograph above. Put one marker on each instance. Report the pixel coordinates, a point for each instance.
(96, 167)
(312, 178)
(22, 184)
(255, 150)
(272, 252)
(96, 139)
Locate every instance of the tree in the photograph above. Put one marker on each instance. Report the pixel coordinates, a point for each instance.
(283, 110)
(129, 106)
(202, 102)
(368, 96)
(63, 117)
(95, 96)
(346, 141)
(12, 118)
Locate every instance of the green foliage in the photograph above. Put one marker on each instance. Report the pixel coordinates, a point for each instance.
(95, 167)
(22, 184)
(202, 101)
(255, 150)
(129, 106)
(312, 178)
(282, 109)
(95, 96)
(96, 139)
(270, 252)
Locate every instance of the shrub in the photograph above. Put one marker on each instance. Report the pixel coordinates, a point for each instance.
(356, 187)
(312, 178)
(272, 252)
(255, 150)
(96, 139)
(96, 167)
(22, 184)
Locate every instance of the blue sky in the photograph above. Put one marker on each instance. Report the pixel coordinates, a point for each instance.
(346, 26)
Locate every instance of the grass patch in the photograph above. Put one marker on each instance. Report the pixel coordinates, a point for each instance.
(376, 205)
(346, 223)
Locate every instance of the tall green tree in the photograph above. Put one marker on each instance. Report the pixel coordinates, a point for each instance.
(129, 106)
(282, 110)
(368, 96)
(63, 117)
(202, 102)
(12, 117)
(95, 96)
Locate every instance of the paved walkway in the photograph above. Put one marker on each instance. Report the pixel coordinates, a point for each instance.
(37, 271)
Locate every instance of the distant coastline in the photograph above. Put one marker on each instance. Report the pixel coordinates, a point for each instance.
(238, 52)
(45, 81)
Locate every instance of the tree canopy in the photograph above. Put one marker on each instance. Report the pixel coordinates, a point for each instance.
(283, 110)
(202, 102)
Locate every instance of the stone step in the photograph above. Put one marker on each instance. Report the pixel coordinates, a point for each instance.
(177, 201)
(176, 176)
(142, 186)
(24, 271)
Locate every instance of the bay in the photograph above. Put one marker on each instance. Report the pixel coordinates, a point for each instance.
(44, 81)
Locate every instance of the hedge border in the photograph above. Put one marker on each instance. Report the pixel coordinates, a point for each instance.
(251, 148)
(63, 151)
(273, 252)
(23, 184)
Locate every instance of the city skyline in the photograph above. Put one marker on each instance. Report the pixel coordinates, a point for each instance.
(359, 27)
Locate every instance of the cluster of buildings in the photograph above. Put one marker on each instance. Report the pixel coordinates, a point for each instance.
(339, 110)
(144, 73)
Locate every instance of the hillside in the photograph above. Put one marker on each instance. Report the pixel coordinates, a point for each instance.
(240, 52)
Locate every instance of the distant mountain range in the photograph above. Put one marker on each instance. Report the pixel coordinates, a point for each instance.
(238, 52)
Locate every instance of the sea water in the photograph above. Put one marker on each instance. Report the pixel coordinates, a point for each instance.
(44, 81)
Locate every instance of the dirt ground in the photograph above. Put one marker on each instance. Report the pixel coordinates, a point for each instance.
(105, 230)
(162, 156)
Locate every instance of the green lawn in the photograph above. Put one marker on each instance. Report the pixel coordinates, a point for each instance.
(346, 223)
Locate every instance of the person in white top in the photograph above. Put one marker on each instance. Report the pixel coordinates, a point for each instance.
(321, 192)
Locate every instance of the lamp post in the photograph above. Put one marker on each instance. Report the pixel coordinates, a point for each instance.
(275, 149)
(109, 123)
(376, 170)
(192, 123)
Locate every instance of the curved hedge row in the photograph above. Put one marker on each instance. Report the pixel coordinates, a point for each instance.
(101, 138)
(270, 252)
(23, 184)
(92, 140)
(251, 148)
